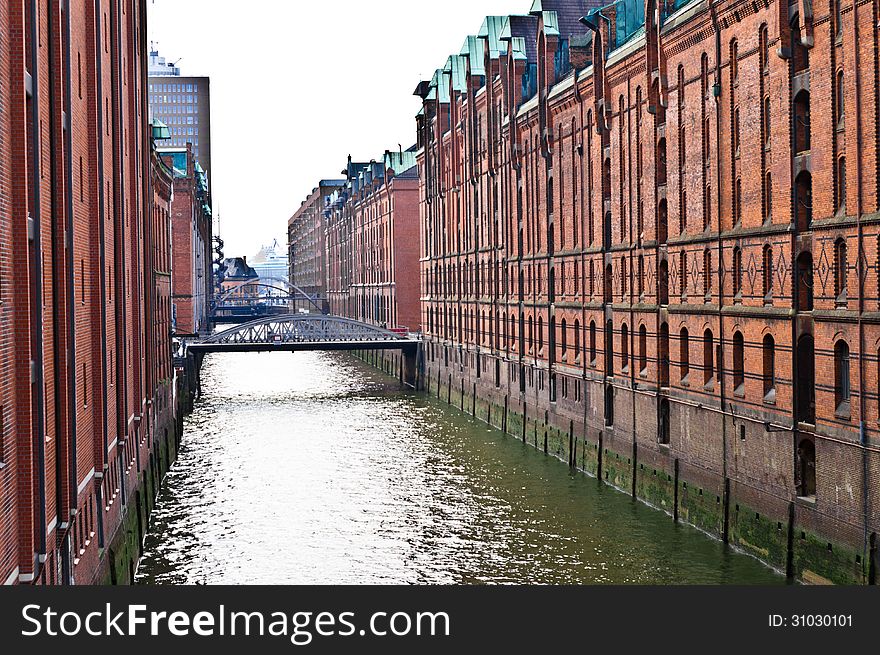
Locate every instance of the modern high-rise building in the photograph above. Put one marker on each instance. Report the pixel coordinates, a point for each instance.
(184, 105)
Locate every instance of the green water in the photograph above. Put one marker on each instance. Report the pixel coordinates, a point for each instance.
(313, 468)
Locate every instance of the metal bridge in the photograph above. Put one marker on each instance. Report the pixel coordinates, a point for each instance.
(299, 332)
(258, 298)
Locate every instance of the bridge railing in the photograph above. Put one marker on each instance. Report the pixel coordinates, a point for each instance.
(304, 328)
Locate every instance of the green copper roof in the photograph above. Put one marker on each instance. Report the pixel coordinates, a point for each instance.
(473, 49)
(438, 90)
(399, 162)
(160, 130)
(518, 48)
(551, 22)
(536, 7)
(455, 69)
(491, 31)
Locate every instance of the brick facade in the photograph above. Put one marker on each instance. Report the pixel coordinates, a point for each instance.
(372, 243)
(306, 249)
(663, 264)
(87, 384)
(192, 278)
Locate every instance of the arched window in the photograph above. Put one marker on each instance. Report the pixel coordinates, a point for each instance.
(682, 216)
(680, 86)
(641, 276)
(531, 333)
(802, 122)
(736, 131)
(592, 280)
(592, 343)
(708, 357)
(804, 200)
(540, 333)
(707, 208)
(662, 222)
(643, 350)
(704, 75)
(806, 376)
(609, 348)
(769, 352)
(606, 179)
(801, 54)
(609, 293)
(805, 282)
(707, 139)
(805, 469)
(764, 48)
(707, 274)
(682, 272)
(661, 162)
(841, 98)
(663, 355)
(766, 124)
(609, 405)
(841, 378)
(840, 269)
(663, 282)
(624, 348)
(734, 62)
(564, 327)
(739, 377)
(577, 339)
(737, 201)
(685, 345)
(663, 424)
(737, 272)
(767, 271)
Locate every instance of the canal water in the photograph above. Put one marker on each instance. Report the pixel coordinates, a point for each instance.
(301, 468)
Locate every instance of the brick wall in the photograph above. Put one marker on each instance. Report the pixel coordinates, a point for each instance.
(78, 238)
(652, 240)
(372, 247)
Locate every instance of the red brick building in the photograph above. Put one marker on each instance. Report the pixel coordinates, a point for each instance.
(86, 392)
(307, 250)
(651, 247)
(191, 243)
(372, 243)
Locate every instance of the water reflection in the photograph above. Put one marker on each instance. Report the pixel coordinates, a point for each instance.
(313, 468)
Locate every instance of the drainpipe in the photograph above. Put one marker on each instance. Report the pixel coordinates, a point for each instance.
(632, 273)
(37, 272)
(102, 258)
(65, 507)
(863, 435)
(119, 221)
(71, 292)
(716, 94)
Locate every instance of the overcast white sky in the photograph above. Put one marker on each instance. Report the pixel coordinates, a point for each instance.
(296, 86)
